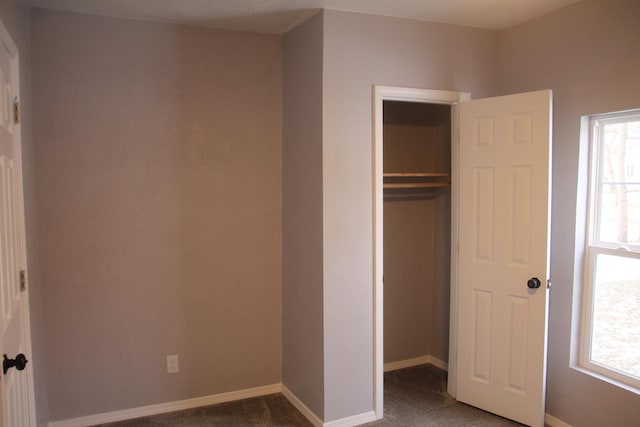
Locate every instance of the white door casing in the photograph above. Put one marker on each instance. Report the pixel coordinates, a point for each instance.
(504, 207)
(18, 408)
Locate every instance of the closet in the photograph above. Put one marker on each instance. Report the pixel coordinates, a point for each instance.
(417, 232)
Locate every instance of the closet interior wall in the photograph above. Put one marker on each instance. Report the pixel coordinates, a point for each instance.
(417, 232)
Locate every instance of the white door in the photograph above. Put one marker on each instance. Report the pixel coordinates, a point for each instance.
(503, 254)
(16, 379)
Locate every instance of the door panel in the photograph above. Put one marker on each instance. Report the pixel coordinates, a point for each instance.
(17, 385)
(504, 214)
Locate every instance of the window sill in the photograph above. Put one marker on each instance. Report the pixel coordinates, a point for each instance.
(602, 377)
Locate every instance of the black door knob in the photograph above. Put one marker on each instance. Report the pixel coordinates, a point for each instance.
(20, 362)
(533, 283)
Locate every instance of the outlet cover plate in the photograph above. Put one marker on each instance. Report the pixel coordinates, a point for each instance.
(172, 364)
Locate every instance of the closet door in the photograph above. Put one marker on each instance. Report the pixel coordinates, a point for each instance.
(503, 260)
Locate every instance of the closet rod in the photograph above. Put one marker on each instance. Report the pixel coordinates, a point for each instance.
(415, 184)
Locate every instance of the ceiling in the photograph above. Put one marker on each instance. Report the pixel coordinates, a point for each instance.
(279, 16)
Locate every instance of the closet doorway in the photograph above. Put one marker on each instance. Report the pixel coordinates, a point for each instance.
(499, 240)
(417, 233)
(415, 205)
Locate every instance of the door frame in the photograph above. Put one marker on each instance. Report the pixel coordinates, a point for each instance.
(427, 96)
(7, 40)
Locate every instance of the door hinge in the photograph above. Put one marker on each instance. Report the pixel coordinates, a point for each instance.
(23, 280)
(16, 112)
(548, 283)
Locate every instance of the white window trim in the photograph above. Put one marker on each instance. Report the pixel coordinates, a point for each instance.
(593, 247)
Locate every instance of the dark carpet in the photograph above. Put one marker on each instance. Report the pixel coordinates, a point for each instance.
(417, 397)
(412, 397)
(271, 410)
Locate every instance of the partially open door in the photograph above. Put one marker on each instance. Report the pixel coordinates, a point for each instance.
(16, 384)
(504, 181)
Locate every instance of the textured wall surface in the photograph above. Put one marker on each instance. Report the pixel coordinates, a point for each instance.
(302, 303)
(588, 55)
(158, 156)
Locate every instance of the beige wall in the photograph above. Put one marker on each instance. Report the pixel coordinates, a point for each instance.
(588, 54)
(360, 51)
(302, 333)
(417, 138)
(158, 156)
(15, 17)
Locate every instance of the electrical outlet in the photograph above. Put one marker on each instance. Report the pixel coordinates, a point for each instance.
(172, 364)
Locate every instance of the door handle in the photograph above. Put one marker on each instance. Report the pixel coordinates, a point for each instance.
(533, 283)
(20, 362)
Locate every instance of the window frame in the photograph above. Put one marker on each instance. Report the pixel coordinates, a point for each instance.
(594, 246)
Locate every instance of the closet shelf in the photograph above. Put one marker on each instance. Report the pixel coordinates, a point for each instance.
(414, 175)
(416, 180)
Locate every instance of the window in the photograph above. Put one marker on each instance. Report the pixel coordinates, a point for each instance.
(610, 336)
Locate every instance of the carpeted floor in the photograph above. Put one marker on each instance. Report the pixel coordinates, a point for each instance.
(271, 410)
(412, 397)
(417, 397)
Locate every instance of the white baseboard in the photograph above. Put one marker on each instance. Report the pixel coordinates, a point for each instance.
(401, 364)
(308, 413)
(145, 411)
(552, 421)
(355, 420)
